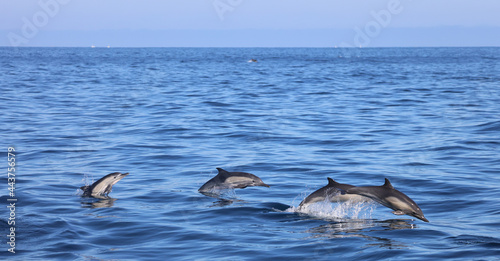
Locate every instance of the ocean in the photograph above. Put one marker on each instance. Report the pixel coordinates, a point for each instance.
(428, 119)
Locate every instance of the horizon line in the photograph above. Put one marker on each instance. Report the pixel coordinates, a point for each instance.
(317, 47)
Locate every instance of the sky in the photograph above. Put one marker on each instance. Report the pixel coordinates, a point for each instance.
(250, 23)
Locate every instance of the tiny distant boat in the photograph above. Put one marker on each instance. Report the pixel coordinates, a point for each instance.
(93, 46)
(252, 61)
(108, 46)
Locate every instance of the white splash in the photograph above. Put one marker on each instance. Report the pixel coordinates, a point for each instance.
(341, 210)
(221, 192)
(87, 179)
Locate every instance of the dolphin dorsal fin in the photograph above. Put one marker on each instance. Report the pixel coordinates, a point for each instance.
(331, 182)
(222, 172)
(388, 184)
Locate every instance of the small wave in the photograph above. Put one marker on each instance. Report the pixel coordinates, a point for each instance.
(217, 104)
(409, 101)
(489, 126)
(445, 148)
(416, 164)
(468, 240)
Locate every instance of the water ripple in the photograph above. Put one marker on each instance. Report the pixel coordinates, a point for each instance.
(426, 118)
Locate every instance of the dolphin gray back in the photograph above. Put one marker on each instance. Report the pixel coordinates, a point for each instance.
(333, 191)
(335, 184)
(390, 197)
(227, 180)
(377, 193)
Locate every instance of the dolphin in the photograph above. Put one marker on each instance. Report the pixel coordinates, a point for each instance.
(333, 192)
(226, 180)
(102, 187)
(390, 197)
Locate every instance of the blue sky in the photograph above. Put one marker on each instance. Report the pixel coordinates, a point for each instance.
(249, 23)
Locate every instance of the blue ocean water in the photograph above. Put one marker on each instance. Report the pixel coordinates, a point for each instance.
(428, 119)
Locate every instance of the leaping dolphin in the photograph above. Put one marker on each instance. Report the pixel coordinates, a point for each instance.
(333, 192)
(390, 197)
(102, 187)
(227, 180)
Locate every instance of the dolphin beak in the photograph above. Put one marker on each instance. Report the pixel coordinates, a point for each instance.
(421, 217)
(265, 185)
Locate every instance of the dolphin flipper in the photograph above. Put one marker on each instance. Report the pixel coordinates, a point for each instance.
(398, 212)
